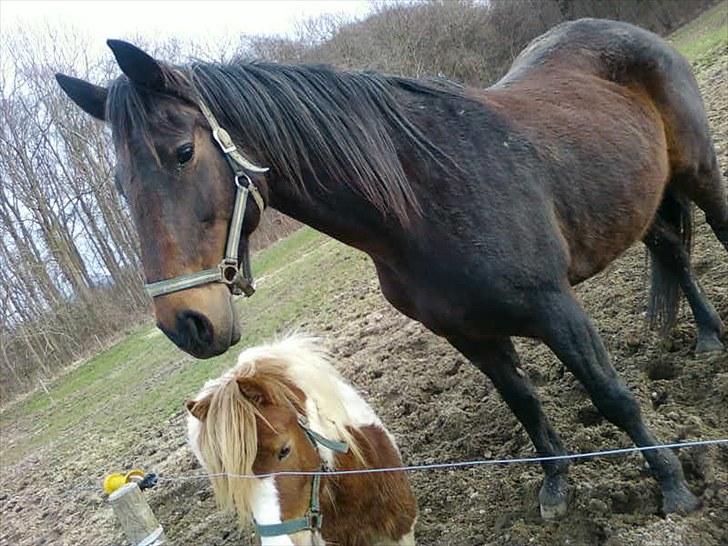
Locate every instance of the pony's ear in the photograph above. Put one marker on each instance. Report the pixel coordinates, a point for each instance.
(138, 66)
(91, 98)
(251, 390)
(198, 408)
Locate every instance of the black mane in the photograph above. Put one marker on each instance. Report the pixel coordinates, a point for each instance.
(302, 121)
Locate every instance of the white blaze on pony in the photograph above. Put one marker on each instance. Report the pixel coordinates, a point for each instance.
(283, 407)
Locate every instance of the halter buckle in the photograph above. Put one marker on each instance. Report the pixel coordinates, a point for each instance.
(223, 139)
(315, 520)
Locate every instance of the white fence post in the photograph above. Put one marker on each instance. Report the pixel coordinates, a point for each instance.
(136, 517)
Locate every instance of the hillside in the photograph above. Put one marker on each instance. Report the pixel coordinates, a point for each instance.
(123, 408)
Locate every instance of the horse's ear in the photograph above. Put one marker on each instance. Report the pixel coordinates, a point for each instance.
(198, 408)
(91, 98)
(138, 66)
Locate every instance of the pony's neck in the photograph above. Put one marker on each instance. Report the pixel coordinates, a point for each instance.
(368, 506)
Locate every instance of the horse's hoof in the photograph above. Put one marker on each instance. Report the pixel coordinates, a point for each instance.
(679, 501)
(553, 511)
(708, 344)
(553, 497)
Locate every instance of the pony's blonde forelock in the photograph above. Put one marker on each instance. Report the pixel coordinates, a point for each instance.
(230, 447)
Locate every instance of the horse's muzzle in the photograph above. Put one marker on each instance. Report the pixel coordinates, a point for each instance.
(196, 335)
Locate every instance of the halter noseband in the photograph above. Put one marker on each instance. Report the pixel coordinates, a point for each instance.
(232, 270)
(313, 519)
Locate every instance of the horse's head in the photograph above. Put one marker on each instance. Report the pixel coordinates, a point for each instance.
(180, 189)
(248, 424)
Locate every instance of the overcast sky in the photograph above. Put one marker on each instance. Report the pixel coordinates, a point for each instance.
(178, 18)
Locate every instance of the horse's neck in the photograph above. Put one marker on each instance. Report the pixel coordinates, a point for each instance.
(328, 203)
(337, 211)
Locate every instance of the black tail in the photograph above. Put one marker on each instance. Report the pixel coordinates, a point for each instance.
(676, 214)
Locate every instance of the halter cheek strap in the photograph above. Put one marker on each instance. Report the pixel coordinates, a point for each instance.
(313, 519)
(233, 270)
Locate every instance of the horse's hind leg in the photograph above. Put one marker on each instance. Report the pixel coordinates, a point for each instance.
(703, 185)
(566, 329)
(497, 358)
(670, 252)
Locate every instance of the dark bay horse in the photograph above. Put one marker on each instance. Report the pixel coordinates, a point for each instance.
(480, 208)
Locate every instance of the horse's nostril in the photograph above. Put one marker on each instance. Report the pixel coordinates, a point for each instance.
(195, 329)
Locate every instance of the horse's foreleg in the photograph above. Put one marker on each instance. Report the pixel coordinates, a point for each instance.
(569, 333)
(497, 358)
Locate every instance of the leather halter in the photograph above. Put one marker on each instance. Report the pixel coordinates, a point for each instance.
(313, 519)
(232, 270)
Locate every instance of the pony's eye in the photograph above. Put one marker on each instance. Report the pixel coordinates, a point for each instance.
(284, 452)
(185, 153)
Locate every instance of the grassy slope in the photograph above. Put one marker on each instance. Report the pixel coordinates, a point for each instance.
(142, 380)
(701, 39)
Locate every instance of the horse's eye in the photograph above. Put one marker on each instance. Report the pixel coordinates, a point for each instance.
(185, 153)
(284, 452)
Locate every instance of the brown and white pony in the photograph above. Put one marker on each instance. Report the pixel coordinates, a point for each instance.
(249, 421)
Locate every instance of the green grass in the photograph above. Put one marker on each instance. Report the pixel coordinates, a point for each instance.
(141, 381)
(705, 36)
(276, 256)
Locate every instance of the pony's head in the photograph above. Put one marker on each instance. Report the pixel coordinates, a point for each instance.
(180, 190)
(247, 423)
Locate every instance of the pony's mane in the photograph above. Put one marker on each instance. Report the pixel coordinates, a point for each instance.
(305, 122)
(303, 362)
(276, 371)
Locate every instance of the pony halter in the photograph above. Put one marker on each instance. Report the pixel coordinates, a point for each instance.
(313, 519)
(232, 270)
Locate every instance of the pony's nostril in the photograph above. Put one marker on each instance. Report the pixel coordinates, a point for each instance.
(196, 328)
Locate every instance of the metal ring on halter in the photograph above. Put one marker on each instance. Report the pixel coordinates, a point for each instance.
(239, 185)
(228, 271)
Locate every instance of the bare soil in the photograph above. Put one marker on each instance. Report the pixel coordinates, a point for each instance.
(441, 409)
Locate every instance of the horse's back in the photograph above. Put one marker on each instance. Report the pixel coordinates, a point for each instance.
(586, 92)
(612, 50)
(633, 57)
